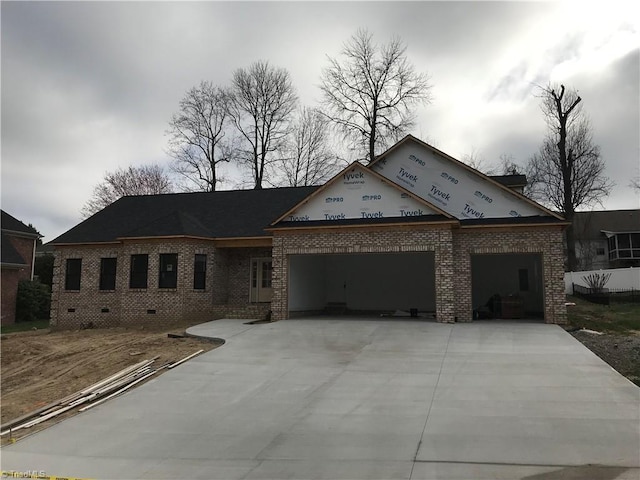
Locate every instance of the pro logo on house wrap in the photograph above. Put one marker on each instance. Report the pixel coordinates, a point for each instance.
(360, 194)
(451, 186)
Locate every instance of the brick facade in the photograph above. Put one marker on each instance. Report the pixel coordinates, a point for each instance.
(226, 291)
(545, 241)
(453, 248)
(10, 279)
(382, 239)
(11, 276)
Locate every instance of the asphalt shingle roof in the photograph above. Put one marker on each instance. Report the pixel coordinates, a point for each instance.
(9, 254)
(11, 223)
(591, 224)
(222, 214)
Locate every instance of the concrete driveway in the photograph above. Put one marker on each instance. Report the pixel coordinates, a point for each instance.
(360, 399)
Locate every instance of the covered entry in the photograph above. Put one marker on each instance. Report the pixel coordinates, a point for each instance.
(507, 286)
(361, 283)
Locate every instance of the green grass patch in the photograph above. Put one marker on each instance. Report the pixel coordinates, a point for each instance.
(617, 317)
(25, 326)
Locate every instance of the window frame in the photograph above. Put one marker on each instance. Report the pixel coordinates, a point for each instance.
(107, 281)
(73, 279)
(200, 273)
(137, 275)
(625, 250)
(168, 271)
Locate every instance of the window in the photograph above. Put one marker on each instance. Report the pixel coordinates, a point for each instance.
(624, 242)
(168, 270)
(261, 288)
(635, 245)
(72, 274)
(624, 245)
(200, 272)
(600, 251)
(267, 267)
(108, 273)
(138, 272)
(613, 248)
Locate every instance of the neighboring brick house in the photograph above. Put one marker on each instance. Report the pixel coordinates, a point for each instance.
(18, 250)
(607, 239)
(416, 230)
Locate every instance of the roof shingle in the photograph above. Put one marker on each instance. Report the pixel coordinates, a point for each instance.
(221, 214)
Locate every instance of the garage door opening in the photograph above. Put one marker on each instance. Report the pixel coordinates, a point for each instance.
(508, 286)
(362, 284)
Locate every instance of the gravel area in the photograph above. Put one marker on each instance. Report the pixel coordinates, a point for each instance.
(622, 352)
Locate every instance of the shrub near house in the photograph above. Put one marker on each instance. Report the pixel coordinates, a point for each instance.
(33, 301)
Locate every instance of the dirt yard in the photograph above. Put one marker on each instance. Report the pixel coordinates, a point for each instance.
(39, 367)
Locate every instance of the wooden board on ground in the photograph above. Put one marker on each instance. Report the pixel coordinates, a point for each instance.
(38, 368)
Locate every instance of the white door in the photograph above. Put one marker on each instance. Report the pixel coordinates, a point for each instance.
(261, 290)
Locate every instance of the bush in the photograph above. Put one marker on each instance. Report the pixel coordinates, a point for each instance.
(33, 302)
(43, 268)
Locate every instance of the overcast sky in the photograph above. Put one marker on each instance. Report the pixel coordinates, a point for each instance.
(89, 87)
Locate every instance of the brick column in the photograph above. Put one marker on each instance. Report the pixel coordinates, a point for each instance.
(279, 280)
(445, 308)
(555, 310)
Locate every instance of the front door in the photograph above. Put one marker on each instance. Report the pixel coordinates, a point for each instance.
(261, 280)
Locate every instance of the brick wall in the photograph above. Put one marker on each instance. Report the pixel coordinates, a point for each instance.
(10, 279)
(452, 248)
(394, 239)
(122, 306)
(545, 241)
(12, 276)
(25, 247)
(239, 273)
(226, 293)
(228, 273)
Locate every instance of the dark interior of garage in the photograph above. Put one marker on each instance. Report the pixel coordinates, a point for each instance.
(362, 284)
(507, 286)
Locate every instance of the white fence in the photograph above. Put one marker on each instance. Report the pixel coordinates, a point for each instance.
(621, 278)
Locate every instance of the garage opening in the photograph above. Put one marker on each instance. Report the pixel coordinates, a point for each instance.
(508, 286)
(362, 284)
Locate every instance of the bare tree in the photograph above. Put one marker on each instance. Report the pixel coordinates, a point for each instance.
(369, 93)
(261, 105)
(567, 172)
(478, 162)
(308, 159)
(197, 135)
(144, 180)
(508, 165)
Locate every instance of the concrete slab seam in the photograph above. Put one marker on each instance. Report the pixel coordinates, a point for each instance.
(522, 464)
(433, 396)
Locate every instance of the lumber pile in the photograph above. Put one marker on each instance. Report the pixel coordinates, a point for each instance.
(94, 394)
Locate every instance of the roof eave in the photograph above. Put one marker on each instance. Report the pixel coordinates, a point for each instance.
(552, 223)
(16, 266)
(17, 233)
(363, 225)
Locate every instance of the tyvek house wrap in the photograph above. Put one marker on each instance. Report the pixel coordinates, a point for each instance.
(453, 188)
